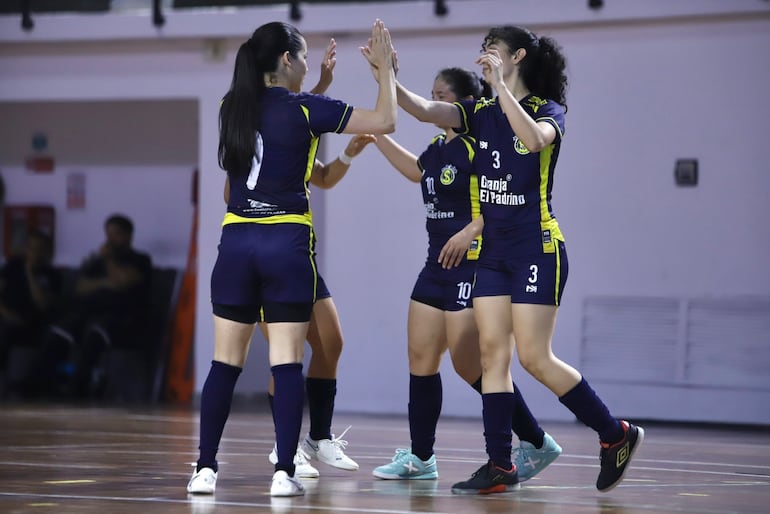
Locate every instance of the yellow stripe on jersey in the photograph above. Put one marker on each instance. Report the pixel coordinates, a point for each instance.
(468, 142)
(312, 151)
(464, 120)
(475, 249)
(339, 127)
(545, 169)
(552, 122)
(311, 252)
(558, 277)
(547, 222)
(310, 162)
(302, 219)
(306, 112)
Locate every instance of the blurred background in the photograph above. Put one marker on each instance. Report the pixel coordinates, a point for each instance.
(661, 189)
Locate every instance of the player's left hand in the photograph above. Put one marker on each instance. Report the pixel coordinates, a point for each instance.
(358, 142)
(327, 68)
(454, 250)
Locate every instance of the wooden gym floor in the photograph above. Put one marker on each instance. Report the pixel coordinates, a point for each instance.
(76, 459)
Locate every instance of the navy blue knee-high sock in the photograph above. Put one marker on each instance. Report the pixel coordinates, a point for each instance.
(524, 424)
(591, 411)
(271, 401)
(425, 397)
(320, 402)
(498, 412)
(289, 397)
(216, 399)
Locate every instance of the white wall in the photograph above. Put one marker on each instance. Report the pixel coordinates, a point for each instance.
(650, 82)
(157, 199)
(137, 158)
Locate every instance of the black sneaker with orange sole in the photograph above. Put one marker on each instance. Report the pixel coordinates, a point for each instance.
(616, 457)
(489, 479)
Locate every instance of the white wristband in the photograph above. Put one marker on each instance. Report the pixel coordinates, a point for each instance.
(345, 158)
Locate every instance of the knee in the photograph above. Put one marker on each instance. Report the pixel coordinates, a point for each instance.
(334, 350)
(424, 361)
(496, 358)
(534, 363)
(468, 370)
(462, 371)
(326, 356)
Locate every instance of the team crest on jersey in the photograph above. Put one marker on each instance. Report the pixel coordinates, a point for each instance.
(519, 146)
(448, 174)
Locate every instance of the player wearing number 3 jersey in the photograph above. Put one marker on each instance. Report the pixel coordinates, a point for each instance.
(440, 313)
(522, 268)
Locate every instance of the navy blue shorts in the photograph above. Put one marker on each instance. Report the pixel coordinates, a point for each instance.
(445, 289)
(265, 269)
(321, 291)
(534, 279)
(245, 315)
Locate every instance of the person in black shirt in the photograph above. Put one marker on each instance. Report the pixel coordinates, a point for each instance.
(29, 287)
(109, 309)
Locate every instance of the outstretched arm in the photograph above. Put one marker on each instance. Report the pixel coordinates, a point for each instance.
(399, 157)
(438, 113)
(442, 114)
(327, 176)
(382, 120)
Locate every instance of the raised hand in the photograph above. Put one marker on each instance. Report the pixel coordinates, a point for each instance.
(491, 67)
(327, 68)
(379, 49)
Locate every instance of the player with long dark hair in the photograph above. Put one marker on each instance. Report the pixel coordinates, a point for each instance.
(269, 136)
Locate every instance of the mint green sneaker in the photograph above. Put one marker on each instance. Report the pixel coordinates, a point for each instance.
(407, 466)
(530, 460)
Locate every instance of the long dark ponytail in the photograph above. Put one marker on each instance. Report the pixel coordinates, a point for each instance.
(543, 67)
(240, 115)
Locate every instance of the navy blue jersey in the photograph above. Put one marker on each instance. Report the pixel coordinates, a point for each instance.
(275, 190)
(449, 190)
(15, 292)
(514, 183)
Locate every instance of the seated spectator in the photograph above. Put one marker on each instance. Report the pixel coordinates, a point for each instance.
(109, 309)
(29, 288)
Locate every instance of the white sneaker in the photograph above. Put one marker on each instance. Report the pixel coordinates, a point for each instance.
(330, 451)
(284, 485)
(202, 482)
(303, 468)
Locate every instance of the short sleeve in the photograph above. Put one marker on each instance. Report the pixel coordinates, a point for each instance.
(550, 112)
(466, 108)
(326, 114)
